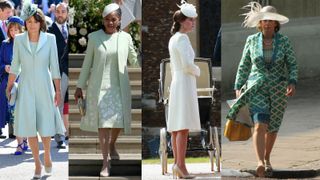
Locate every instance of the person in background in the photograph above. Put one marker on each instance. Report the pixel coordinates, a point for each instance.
(15, 26)
(6, 10)
(60, 29)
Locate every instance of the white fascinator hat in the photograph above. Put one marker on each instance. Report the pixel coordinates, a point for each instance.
(187, 9)
(258, 13)
(109, 9)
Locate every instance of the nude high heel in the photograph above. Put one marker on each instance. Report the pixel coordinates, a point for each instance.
(180, 174)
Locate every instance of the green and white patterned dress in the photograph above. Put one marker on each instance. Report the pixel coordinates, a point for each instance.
(110, 107)
(265, 83)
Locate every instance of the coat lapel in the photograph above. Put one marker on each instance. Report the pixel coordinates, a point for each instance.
(26, 41)
(42, 41)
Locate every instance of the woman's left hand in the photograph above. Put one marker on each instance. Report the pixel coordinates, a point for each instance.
(291, 90)
(57, 99)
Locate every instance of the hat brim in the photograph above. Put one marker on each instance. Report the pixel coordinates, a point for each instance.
(254, 20)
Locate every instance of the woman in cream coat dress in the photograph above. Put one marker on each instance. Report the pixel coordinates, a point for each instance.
(183, 115)
(108, 97)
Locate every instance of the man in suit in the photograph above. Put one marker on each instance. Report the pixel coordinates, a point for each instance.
(6, 10)
(60, 29)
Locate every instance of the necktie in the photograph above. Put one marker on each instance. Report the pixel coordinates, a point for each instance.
(4, 28)
(64, 32)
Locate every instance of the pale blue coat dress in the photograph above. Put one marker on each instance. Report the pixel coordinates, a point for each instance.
(37, 65)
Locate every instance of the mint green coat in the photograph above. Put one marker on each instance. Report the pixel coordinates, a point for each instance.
(92, 71)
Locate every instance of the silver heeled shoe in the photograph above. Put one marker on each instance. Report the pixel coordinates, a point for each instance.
(48, 169)
(105, 172)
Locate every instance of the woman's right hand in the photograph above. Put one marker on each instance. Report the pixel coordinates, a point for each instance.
(238, 93)
(78, 94)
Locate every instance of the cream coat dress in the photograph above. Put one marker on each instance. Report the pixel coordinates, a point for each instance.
(183, 101)
(92, 73)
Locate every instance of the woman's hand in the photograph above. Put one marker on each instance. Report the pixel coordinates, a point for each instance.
(57, 98)
(238, 93)
(78, 94)
(291, 90)
(7, 68)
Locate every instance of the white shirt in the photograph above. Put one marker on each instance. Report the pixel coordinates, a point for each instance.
(60, 27)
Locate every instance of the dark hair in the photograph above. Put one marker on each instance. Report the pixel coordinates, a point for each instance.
(11, 25)
(178, 17)
(5, 4)
(276, 29)
(39, 17)
(118, 11)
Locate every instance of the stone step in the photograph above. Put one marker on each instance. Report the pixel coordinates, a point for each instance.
(74, 114)
(76, 132)
(134, 73)
(90, 165)
(125, 145)
(134, 84)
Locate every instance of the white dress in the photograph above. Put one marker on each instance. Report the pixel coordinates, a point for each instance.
(183, 101)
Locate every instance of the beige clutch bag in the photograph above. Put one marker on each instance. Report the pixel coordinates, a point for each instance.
(82, 106)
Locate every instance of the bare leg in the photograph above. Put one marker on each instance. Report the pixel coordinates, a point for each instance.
(174, 145)
(114, 135)
(33, 142)
(258, 137)
(104, 135)
(182, 139)
(66, 123)
(270, 138)
(46, 141)
(19, 141)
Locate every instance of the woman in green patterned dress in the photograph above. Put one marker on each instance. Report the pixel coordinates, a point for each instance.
(267, 75)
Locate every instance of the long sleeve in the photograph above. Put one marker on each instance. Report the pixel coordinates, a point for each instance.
(16, 61)
(2, 61)
(187, 56)
(54, 61)
(132, 56)
(87, 64)
(244, 66)
(291, 63)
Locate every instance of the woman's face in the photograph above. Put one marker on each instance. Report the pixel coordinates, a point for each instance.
(111, 22)
(188, 24)
(32, 25)
(268, 26)
(14, 30)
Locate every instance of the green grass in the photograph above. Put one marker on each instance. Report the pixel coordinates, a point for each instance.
(170, 160)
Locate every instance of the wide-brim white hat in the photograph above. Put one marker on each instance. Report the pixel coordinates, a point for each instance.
(188, 10)
(257, 14)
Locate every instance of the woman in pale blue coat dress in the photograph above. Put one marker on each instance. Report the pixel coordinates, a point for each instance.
(35, 60)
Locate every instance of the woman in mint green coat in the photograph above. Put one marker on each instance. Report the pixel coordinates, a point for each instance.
(35, 61)
(108, 97)
(267, 74)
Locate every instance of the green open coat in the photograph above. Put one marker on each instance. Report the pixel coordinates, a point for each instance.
(92, 71)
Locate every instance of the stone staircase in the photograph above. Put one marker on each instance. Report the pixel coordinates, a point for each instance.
(85, 159)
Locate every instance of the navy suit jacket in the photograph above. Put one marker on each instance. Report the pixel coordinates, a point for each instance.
(62, 46)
